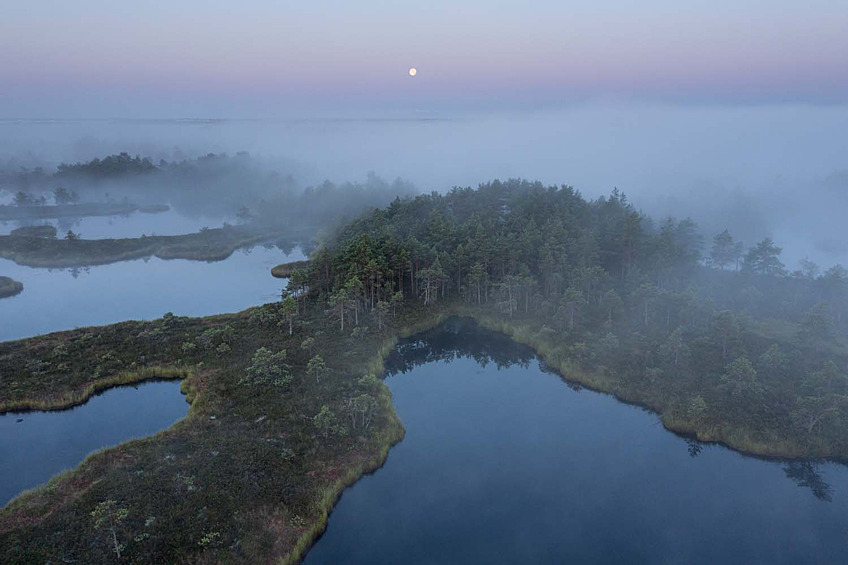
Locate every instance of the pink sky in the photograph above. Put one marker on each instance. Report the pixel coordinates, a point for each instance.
(258, 58)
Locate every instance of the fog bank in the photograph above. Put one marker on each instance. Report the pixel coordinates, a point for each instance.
(760, 171)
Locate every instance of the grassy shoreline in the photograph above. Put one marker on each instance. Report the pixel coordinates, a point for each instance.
(737, 439)
(325, 468)
(208, 245)
(77, 397)
(320, 469)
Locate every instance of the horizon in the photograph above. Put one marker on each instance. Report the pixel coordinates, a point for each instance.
(213, 59)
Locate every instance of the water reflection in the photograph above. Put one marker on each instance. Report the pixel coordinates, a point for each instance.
(135, 224)
(60, 299)
(694, 447)
(458, 338)
(34, 446)
(805, 474)
(501, 463)
(462, 338)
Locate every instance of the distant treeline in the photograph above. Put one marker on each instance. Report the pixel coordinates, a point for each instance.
(118, 165)
(213, 184)
(121, 165)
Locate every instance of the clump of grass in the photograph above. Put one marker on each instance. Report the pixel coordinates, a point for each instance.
(286, 270)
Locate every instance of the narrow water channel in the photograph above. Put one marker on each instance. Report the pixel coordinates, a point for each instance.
(504, 462)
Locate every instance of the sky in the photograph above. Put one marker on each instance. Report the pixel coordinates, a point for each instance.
(732, 112)
(259, 59)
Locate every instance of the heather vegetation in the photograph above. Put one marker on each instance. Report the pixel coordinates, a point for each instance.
(273, 435)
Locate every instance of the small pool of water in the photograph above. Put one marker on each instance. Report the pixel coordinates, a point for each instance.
(35, 446)
(504, 462)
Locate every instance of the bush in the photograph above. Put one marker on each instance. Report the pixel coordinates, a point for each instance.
(268, 369)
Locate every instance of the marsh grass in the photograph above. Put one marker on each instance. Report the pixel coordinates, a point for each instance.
(69, 399)
(285, 270)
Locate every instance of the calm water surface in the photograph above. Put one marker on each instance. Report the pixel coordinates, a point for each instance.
(117, 227)
(60, 299)
(34, 446)
(503, 462)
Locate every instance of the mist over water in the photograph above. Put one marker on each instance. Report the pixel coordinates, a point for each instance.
(262, 199)
(759, 171)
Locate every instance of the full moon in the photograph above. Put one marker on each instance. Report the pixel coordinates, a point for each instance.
(413, 72)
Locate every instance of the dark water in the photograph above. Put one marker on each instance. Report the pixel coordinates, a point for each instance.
(503, 462)
(46, 443)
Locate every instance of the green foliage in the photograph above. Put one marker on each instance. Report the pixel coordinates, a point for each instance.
(326, 423)
(210, 539)
(288, 310)
(740, 379)
(724, 251)
(764, 258)
(697, 409)
(268, 368)
(361, 409)
(213, 337)
(316, 368)
(308, 344)
(369, 382)
(817, 327)
(118, 165)
(108, 521)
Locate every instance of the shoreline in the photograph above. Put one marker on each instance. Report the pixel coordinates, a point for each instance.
(78, 397)
(686, 429)
(350, 467)
(216, 244)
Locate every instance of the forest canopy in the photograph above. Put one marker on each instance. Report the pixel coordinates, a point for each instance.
(719, 338)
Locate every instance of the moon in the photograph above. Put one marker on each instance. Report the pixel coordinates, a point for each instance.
(413, 71)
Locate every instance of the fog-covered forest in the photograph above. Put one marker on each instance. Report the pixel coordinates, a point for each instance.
(448, 282)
